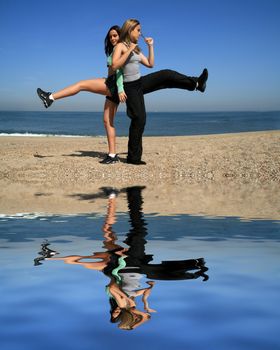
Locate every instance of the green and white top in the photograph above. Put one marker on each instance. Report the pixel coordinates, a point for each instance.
(119, 74)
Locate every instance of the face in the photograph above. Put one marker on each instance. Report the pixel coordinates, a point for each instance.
(113, 37)
(135, 34)
(116, 312)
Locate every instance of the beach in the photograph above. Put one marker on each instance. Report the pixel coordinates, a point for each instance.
(226, 174)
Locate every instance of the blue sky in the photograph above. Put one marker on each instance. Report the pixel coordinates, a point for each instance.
(52, 44)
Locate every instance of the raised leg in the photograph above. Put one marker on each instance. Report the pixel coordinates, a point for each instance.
(96, 86)
(167, 79)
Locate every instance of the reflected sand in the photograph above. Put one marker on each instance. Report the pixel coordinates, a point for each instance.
(231, 200)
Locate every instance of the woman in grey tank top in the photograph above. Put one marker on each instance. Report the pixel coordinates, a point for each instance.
(127, 55)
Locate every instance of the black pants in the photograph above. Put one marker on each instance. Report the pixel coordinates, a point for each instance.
(136, 111)
(167, 79)
(135, 239)
(163, 79)
(138, 261)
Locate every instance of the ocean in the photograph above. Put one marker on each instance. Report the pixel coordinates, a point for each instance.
(158, 123)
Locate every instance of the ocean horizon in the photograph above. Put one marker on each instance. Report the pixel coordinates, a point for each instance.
(81, 124)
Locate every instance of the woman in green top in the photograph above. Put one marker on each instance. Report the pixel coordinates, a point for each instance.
(100, 86)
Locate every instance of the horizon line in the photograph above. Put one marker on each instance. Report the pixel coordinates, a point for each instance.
(151, 111)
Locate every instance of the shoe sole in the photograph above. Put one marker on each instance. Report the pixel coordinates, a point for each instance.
(42, 98)
(135, 163)
(203, 87)
(109, 162)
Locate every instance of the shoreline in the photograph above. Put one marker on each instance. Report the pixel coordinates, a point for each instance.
(37, 135)
(219, 174)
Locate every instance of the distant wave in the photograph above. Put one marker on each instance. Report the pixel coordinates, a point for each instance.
(44, 135)
(32, 216)
(61, 124)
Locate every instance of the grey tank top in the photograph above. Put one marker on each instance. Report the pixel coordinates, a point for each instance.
(131, 68)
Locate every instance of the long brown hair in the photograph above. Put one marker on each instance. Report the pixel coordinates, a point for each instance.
(108, 46)
(126, 29)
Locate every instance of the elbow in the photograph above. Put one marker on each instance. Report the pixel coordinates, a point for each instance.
(115, 66)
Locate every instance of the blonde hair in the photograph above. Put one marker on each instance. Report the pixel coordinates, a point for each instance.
(129, 320)
(126, 29)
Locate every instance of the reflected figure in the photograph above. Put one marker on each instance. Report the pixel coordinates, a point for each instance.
(44, 253)
(129, 268)
(139, 261)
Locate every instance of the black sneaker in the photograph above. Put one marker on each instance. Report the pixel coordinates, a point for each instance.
(110, 191)
(202, 80)
(110, 160)
(44, 96)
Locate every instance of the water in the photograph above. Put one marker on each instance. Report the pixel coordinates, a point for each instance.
(158, 124)
(216, 280)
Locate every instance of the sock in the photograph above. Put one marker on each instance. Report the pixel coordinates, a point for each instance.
(112, 155)
(51, 97)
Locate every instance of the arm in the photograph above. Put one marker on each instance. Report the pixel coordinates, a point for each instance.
(94, 265)
(149, 62)
(121, 54)
(122, 95)
(119, 76)
(145, 292)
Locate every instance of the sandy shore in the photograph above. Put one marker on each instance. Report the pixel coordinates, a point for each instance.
(228, 175)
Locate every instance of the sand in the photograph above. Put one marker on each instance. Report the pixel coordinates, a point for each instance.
(214, 175)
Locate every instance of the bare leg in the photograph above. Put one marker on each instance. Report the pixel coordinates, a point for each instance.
(110, 110)
(96, 86)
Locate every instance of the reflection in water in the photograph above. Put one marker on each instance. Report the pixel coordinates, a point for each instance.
(45, 253)
(128, 267)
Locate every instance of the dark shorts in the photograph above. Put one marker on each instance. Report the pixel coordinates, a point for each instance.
(111, 83)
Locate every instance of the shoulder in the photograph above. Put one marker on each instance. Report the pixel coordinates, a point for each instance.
(121, 47)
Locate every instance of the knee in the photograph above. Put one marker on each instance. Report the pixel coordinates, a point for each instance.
(81, 85)
(167, 73)
(108, 123)
(140, 122)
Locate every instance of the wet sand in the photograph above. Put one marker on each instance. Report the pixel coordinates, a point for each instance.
(214, 175)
